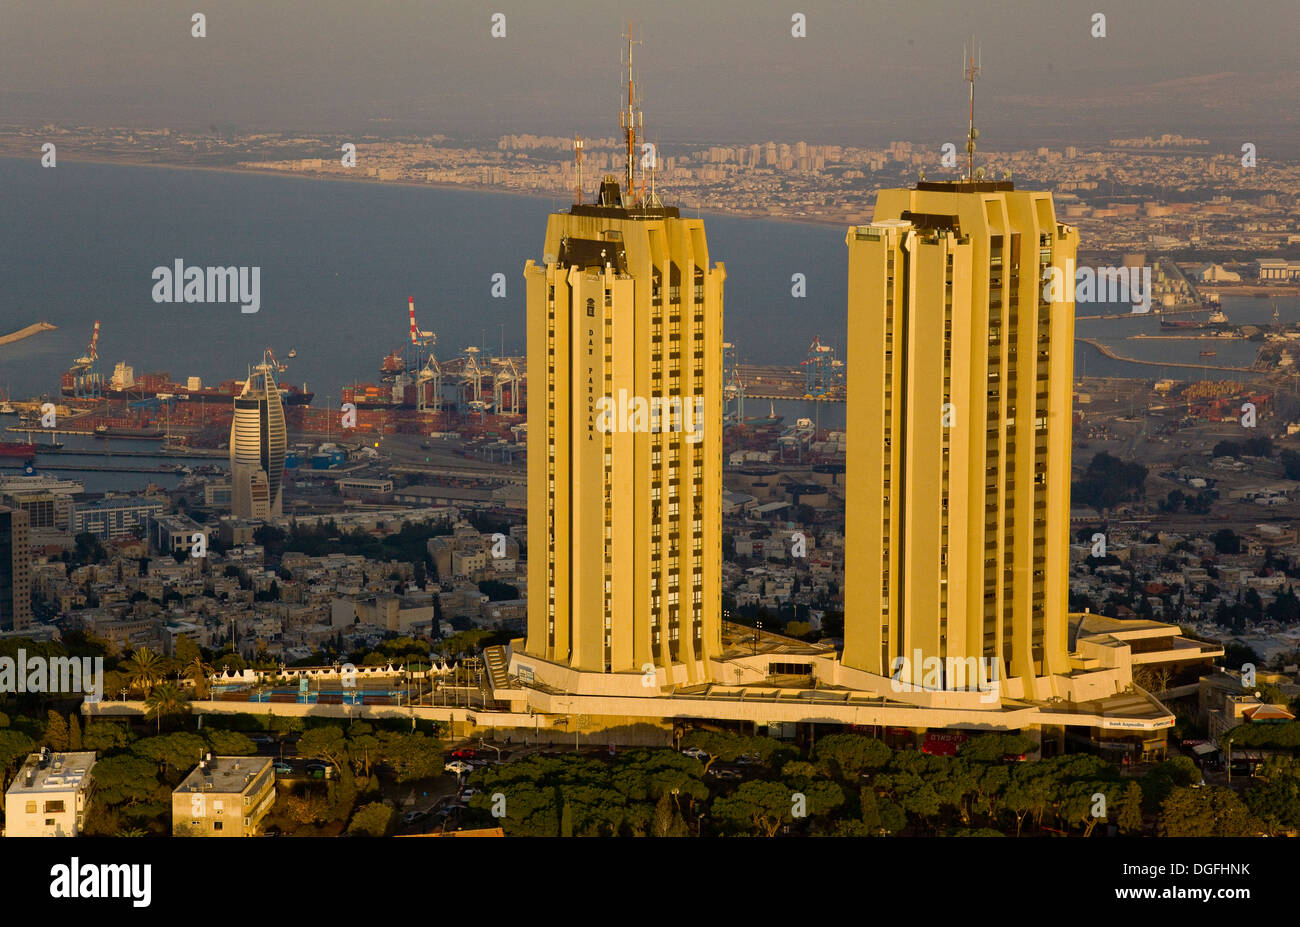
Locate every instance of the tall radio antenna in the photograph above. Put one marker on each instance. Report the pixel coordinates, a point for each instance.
(577, 165)
(971, 63)
(630, 119)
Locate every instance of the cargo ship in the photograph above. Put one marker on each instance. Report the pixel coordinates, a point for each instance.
(373, 395)
(1217, 318)
(83, 381)
(13, 450)
(111, 431)
(392, 364)
(124, 384)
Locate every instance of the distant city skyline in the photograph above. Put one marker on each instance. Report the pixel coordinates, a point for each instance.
(726, 72)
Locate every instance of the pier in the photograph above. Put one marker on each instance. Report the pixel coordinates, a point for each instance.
(105, 468)
(34, 329)
(1107, 352)
(1164, 311)
(31, 434)
(1186, 338)
(187, 453)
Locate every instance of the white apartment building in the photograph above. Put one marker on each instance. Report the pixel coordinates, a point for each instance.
(50, 795)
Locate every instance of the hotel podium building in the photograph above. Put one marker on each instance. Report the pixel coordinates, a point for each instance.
(624, 528)
(959, 406)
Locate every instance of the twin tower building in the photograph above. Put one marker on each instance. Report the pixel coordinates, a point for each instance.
(959, 420)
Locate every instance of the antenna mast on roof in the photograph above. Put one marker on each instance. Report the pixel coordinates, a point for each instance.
(654, 164)
(577, 164)
(630, 119)
(970, 61)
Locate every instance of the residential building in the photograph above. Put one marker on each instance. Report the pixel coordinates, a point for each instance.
(15, 570)
(116, 516)
(224, 796)
(50, 795)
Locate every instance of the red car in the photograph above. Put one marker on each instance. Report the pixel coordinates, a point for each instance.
(465, 754)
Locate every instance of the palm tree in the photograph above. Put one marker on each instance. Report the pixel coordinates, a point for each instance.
(165, 699)
(200, 673)
(144, 670)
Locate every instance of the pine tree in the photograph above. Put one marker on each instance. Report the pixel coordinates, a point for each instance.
(662, 825)
(74, 732)
(566, 821)
(56, 732)
(870, 810)
(1130, 810)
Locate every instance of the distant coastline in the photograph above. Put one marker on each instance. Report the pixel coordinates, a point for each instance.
(34, 329)
(685, 207)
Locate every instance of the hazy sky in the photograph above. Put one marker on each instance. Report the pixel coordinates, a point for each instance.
(710, 70)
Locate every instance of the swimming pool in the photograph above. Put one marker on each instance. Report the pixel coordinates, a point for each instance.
(311, 697)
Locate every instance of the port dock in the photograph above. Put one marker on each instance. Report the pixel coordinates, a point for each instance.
(34, 329)
(1108, 352)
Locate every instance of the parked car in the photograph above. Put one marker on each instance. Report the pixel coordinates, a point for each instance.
(283, 769)
(467, 794)
(747, 759)
(725, 774)
(464, 754)
(696, 753)
(412, 816)
(459, 767)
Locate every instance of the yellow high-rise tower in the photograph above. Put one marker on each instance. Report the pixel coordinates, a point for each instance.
(960, 387)
(624, 444)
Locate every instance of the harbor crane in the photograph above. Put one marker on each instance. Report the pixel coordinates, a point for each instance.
(507, 375)
(471, 380)
(428, 372)
(87, 383)
(822, 372)
(733, 387)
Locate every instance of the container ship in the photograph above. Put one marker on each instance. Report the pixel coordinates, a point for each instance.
(14, 450)
(114, 431)
(124, 384)
(83, 381)
(1217, 318)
